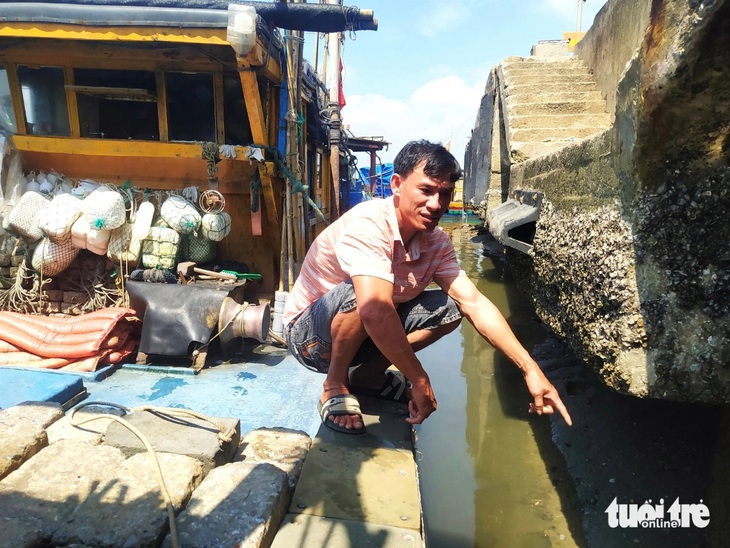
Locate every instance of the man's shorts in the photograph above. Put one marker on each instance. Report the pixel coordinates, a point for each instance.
(309, 337)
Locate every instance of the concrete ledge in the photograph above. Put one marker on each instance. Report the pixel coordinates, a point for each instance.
(304, 530)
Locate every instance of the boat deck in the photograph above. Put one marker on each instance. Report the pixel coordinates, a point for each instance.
(351, 491)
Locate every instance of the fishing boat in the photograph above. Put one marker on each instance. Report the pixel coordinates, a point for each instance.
(219, 142)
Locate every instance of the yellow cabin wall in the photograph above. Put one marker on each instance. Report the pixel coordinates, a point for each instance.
(161, 165)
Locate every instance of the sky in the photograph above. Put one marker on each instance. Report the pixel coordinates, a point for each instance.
(423, 72)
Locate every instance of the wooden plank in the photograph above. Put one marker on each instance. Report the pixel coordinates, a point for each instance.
(265, 62)
(13, 29)
(72, 104)
(110, 147)
(254, 107)
(162, 121)
(131, 94)
(120, 56)
(220, 127)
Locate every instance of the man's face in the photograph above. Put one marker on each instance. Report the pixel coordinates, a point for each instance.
(420, 201)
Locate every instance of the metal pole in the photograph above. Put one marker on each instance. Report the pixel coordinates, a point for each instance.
(580, 15)
(373, 167)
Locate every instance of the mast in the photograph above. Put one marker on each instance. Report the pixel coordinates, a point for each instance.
(333, 85)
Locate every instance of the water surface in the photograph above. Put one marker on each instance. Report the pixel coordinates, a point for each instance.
(489, 473)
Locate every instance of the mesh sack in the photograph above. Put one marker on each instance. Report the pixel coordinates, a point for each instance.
(104, 209)
(60, 216)
(122, 246)
(160, 248)
(51, 258)
(198, 249)
(23, 219)
(180, 215)
(216, 226)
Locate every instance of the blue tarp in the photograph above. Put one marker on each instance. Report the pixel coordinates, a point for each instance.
(383, 173)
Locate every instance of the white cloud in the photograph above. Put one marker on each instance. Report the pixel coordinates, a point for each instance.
(442, 110)
(437, 18)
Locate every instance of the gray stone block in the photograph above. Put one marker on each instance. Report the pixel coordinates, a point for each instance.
(285, 449)
(23, 434)
(51, 485)
(194, 437)
(239, 504)
(75, 493)
(17, 533)
(128, 508)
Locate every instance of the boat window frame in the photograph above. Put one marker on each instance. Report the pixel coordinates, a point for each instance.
(72, 91)
(9, 110)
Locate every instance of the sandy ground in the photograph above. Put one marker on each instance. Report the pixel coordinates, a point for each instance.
(637, 451)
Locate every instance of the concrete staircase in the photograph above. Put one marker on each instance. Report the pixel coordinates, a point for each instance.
(548, 103)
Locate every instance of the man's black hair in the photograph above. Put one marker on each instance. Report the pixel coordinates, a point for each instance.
(440, 163)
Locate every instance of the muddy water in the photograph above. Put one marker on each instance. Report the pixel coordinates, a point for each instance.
(489, 473)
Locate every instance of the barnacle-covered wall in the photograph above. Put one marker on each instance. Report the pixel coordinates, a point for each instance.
(631, 254)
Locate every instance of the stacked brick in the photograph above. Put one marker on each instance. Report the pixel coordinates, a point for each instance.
(91, 282)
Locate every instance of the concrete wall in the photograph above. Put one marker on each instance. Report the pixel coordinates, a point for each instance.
(478, 156)
(631, 255)
(613, 39)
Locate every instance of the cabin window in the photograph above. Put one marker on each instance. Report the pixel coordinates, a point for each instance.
(7, 115)
(190, 106)
(117, 104)
(238, 129)
(44, 100)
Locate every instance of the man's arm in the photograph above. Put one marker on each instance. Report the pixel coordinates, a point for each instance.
(383, 326)
(491, 324)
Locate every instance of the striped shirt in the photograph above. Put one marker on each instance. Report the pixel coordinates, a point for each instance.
(366, 241)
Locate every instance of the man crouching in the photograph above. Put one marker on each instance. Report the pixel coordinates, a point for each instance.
(361, 299)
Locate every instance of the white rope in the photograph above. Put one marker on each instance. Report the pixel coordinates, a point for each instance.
(225, 434)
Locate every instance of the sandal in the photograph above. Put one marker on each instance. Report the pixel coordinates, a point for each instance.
(343, 404)
(394, 388)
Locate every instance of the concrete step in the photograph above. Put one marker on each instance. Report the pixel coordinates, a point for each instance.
(554, 96)
(542, 61)
(524, 151)
(548, 87)
(568, 71)
(553, 134)
(602, 120)
(563, 108)
(528, 77)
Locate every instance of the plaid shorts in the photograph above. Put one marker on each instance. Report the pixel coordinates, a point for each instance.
(309, 337)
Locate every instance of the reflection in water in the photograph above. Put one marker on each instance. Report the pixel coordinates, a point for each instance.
(489, 473)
